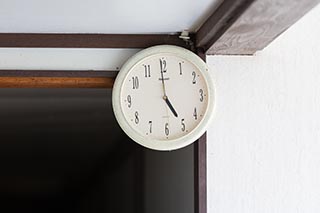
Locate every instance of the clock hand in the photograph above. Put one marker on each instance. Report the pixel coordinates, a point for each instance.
(162, 79)
(166, 99)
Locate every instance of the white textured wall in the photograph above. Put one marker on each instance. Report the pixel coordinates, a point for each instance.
(264, 144)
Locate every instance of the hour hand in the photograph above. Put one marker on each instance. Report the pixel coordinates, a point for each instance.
(166, 99)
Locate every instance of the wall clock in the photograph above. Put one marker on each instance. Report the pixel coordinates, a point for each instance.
(163, 97)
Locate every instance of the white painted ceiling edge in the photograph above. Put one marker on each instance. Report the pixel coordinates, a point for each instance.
(104, 16)
(64, 58)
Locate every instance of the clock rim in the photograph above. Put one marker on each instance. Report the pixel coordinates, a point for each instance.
(170, 144)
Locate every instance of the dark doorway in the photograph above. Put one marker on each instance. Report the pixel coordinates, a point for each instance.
(62, 150)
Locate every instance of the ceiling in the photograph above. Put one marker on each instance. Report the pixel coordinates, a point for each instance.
(101, 16)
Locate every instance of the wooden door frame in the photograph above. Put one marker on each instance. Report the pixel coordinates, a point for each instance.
(97, 79)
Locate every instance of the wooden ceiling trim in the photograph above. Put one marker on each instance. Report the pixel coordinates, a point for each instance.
(52, 40)
(200, 168)
(56, 79)
(220, 20)
(59, 73)
(249, 26)
(56, 82)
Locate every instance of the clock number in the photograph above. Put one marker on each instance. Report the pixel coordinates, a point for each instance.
(147, 72)
(150, 123)
(163, 65)
(129, 101)
(183, 126)
(201, 95)
(166, 129)
(135, 82)
(195, 115)
(136, 120)
(180, 66)
(194, 77)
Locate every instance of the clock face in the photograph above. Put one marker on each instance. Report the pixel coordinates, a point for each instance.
(163, 98)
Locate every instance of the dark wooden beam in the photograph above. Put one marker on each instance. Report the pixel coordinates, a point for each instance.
(220, 20)
(200, 174)
(36, 40)
(250, 26)
(58, 73)
(200, 167)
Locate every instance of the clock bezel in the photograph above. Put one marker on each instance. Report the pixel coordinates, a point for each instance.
(170, 144)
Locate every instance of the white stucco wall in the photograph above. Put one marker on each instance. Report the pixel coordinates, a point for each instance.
(264, 144)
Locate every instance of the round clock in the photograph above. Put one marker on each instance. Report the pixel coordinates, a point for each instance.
(163, 97)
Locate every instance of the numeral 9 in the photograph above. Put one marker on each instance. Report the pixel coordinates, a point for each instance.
(129, 101)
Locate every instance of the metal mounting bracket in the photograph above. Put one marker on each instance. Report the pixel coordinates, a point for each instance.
(185, 36)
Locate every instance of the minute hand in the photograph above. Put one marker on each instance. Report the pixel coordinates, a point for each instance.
(162, 79)
(165, 97)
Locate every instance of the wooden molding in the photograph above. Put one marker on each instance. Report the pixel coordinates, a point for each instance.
(56, 79)
(200, 167)
(250, 26)
(51, 40)
(58, 73)
(200, 174)
(220, 20)
(56, 82)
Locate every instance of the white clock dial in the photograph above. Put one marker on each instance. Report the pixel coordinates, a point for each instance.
(163, 98)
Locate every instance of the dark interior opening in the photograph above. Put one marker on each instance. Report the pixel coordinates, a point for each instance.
(61, 150)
